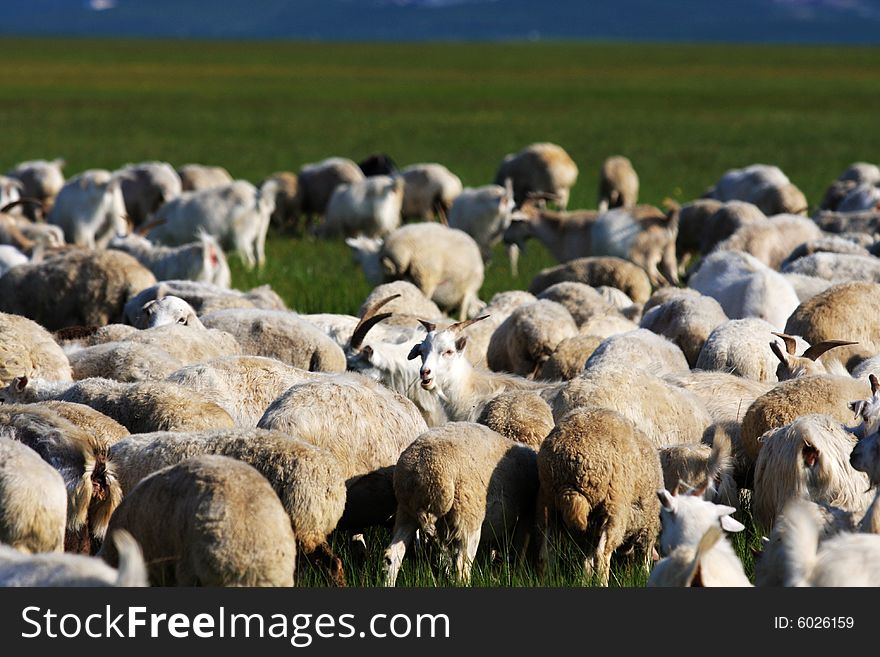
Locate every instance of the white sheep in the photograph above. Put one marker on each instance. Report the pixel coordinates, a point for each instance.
(864, 196)
(687, 320)
(146, 186)
(430, 189)
(41, 180)
(317, 181)
(196, 177)
(484, 213)
(771, 241)
(837, 267)
(368, 207)
(202, 260)
(539, 167)
(27, 349)
(764, 185)
(90, 209)
(639, 349)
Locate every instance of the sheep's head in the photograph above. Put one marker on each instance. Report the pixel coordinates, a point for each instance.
(169, 310)
(359, 356)
(442, 352)
(792, 366)
(684, 518)
(17, 392)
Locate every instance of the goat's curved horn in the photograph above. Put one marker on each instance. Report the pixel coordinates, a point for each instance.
(875, 385)
(429, 326)
(777, 351)
(821, 347)
(460, 326)
(24, 200)
(790, 342)
(368, 321)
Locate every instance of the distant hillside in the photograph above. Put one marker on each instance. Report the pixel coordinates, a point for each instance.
(786, 21)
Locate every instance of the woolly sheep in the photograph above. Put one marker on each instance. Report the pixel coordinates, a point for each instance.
(41, 180)
(27, 349)
(484, 213)
(618, 183)
(687, 321)
(863, 196)
(369, 207)
(824, 244)
(539, 167)
(166, 310)
(123, 361)
(519, 415)
(202, 260)
(196, 177)
(773, 240)
(806, 287)
(411, 300)
(604, 326)
(462, 485)
(568, 359)
(837, 267)
(209, 521)
(693, 220)
(317, 181)
(286, 212)
(307, 479)
(596, 271)
(90, 209)
(598, 474)
(727, 220)
(581, 301)
(501, 305)
(105, 429)
(430, 190)
(72, 338)
(75, 288)
(146, 186)
(55, 570)
(739, 346)
(640, 348)
(764, 185)
(701, 467)
(33, 499)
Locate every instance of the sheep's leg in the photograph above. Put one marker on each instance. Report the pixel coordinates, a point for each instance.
(546, 550)
(466, 551)
(610, 538)
(404, 531)
(324, 559)
(521, 539)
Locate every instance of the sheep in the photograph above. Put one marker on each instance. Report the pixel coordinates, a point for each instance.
(378, 164)
(72, 338)
(409, 300)
(81, 457)
(824, 244)
(75, 288)
(307, 479)
(368, 207)
(237, 215)
(202, 260)
(862, 172)
(244, 386)
(90, 209)
(196, 177)
(279, 334)
(862, 197)
(105, 429)
(286, 212)
(444, 263)
(640, 348)
(501, 305)
(431, 189)
(209, 521)
(598, 474)
(140, 407)
(146, 186)
(727, 220)
(41, 180)
(785, 402)
(317, 181)
(539, 167)
(837, 267)
(807, 458)
(865, 223)
(568, 359)
(666, 414)
(27, 349)
(11, 257)
(165, 310)
(462, 485)
(791, 365)
(604, 326)
(33, 499)
(484, 213)
(745, 287)
(566, 235)
(773, 240)
(644, 236)
(32, 239)
(123, 361)
(703, 467)
(687, 321)
(203, 297)
(693, 221)
(618, 184)
(525, 340)
(581, 301)
(806, 287)
(843, 560)
(764, 185)
(596, 271)
(56, 570)
(519, 415)
(739, 346)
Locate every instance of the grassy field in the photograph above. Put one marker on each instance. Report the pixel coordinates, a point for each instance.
(683, 114)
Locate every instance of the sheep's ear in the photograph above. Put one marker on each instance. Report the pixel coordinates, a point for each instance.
(429, 326)
(460, 343)
(857, 407)
(20, 383)
(415, 352)
(729, 524)
(667, 501)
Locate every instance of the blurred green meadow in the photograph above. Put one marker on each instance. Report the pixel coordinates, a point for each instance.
(683, 114)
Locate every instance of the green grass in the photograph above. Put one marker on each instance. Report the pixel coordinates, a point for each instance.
(683, 114)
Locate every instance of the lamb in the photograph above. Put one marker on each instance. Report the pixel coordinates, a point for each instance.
(55, 570)
(74, 288)
(702, 467)
(525, 340)
(209, 521)
(581, 301)
(33, 499)
(773, 240)
(618, 184)
(90, 209)
(568, 359)
(739, 346)
(196, 177)
(41, 180)
(520, 415)
(317, 181)
(368, 207)
(146, 186)
(430, 190)
(598, 474)
(539, 167)
(237, 215)
(640, 348)
(281, 335)
(202, 260)
(837, 267)
(596, 271)
(764, 185)
(307, 479)
(462, 485)
(687, 321)
(484, 213)
(27, 349)
(791, 365)
(746, 287)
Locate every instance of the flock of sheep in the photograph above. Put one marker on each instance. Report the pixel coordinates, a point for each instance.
(158, 427)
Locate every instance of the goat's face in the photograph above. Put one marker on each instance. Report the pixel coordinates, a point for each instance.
(439, 352)
(17, 392)
(868, 409)
(865, 457)
(685, 518)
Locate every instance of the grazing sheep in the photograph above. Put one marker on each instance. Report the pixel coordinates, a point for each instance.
(307, 479)
(208, 521)
(745, 287)
(599, 475)
(581, 301)
(596, 271)
(41, 180)
(33, 499)
(764, 185)
(123, 361)
(90, 209)
(281, 335)
(539, 167)
(202, 260)
(105, 429)
(618, 183)
(837, 267)
(773, 240)
(639, 349)
(236, 215)
(792, 366)
(77, 288)
(462, 485)
(369, 207)
(739, 346)
(701, 467)
(806, 287)
(55, 570)
(484, 213)
(286, 212)
(524, 341)
(27, 349)
(430, 190)
(727, 220)
(378, 164)
(807, 458)
(687, 321)
(824, 244)
(568, 359)
(196, 177)
(317, 181)
(693, 221)
(146, 186)
(520, 415)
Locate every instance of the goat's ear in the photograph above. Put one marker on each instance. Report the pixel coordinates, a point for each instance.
(774, 347)
(460, 343)
(875, 385)
(667, 501)
(415, 352)
(20, 383)
(729, 524)
(857, 407)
